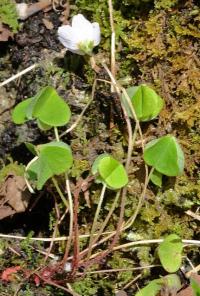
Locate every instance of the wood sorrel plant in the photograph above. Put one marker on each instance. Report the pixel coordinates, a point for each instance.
(163, 155)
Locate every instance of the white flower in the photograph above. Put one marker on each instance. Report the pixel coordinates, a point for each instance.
(81, 37)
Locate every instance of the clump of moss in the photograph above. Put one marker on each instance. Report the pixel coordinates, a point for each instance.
(85, 286)
(79, 167)
(12, 168)
(165, 3)
(8, 14)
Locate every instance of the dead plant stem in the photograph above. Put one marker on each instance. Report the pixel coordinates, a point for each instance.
(75, 260)
(71, 213)
(112, 64)
(120, 269)
(19, 74)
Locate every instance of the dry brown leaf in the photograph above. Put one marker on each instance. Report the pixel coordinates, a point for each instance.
(5, 33)
(14, 196)
(6, 211)
(49, 25)
(188, 291)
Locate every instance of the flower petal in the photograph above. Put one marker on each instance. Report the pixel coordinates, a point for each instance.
(96, 33)
(67, 38)
(79, 21)
(81, 37)
(82, 28)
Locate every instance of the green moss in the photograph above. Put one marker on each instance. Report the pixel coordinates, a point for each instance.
(25, 246)
(165, 3)
(79, 167)
(8, 14)
(11, 168)
(119, 262)
(149, 213)
(145, 257)
(85, 287)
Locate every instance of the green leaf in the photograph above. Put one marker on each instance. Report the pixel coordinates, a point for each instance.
(172, 282)
(31, 148)
(47, 107)
(112, 172)
(195, 287)
(9, 15)
(146, 103)
(19, 113)
(54, 158)
(151, 289)
(130, 92)
(50, 108)
(95, 168)
(43, 126)
(96, 163)
(156, 178)
(170, 253)
(165, 155)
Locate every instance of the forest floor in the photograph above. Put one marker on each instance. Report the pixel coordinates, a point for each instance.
(157, 44)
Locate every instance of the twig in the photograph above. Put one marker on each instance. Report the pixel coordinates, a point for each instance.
(14, 251)
(148, 242)
(24, 10)
(18, 74)
(136, 278)
(47, 239)
(50, 255)
(63, 216)
(193, 215)
(194, 270)
(119, 269)
(71, 290)
(145, 242)
(57, 286)
(75, 260)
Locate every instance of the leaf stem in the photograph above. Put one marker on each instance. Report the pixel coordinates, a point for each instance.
(130, 222)
(107, 218)
(55, 183)
(95, 220)
(56, 134)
